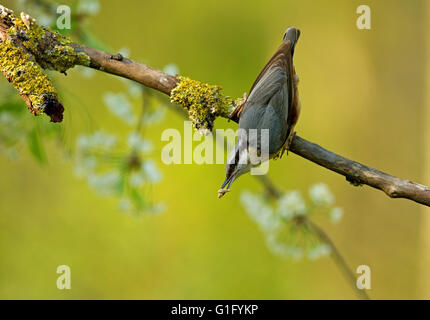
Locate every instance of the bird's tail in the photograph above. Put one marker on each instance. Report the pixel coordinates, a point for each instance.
(293, 35)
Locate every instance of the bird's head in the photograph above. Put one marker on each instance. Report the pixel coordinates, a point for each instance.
(292, 34)
(238, 163)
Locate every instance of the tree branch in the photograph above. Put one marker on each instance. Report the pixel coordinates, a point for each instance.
(358, 174)
(202, 101)
(126, 68)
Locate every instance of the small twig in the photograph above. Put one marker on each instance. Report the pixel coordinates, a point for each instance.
(338, 259)
(142, 113)
(129, 69)
(270, 188)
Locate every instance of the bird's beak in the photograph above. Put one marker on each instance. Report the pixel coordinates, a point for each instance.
(226, 186)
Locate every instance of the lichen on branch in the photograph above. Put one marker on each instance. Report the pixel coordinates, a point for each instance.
(26, 76)
(203, 102)
(26, 49)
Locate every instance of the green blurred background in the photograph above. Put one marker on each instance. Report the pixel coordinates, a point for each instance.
(363, 96)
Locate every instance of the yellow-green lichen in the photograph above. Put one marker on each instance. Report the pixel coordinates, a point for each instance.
(25, 51)
(25, 75)
(53, 50)
(65, 57)
(204, 102)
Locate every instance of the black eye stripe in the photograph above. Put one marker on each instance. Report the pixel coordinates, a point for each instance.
(232, 166)
(236, 157)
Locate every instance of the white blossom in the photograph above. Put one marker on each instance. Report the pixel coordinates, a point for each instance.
(98, 139)
(336, 214)
(87, 72)
(158, 208)
(155, 116)
(171, 69)
(136, 179)
(151, 171)
(259, 211)
(289, 237)
(90, 7)
(321, 195)
(135, 142)
(106, 183)
(85, 166)
(120, 105)
(45, 20)
(291, 205)
(125, 204)
(321, 250)
(134, 89)
(7, 117)
(283, 249)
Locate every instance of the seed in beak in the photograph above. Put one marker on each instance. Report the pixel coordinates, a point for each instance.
(222, 192)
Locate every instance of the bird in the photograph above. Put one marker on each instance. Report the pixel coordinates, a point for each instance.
(273, 103)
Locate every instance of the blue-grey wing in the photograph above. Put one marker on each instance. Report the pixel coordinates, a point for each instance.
(277, 71)
(270, 99)
(268, 109)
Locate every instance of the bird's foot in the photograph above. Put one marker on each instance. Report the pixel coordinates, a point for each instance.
(290, 140)
(286, 146)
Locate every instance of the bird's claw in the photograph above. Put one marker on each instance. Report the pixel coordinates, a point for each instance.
(286, 146)
(290, 140)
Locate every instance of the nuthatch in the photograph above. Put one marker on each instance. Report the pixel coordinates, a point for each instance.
(273, 103)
